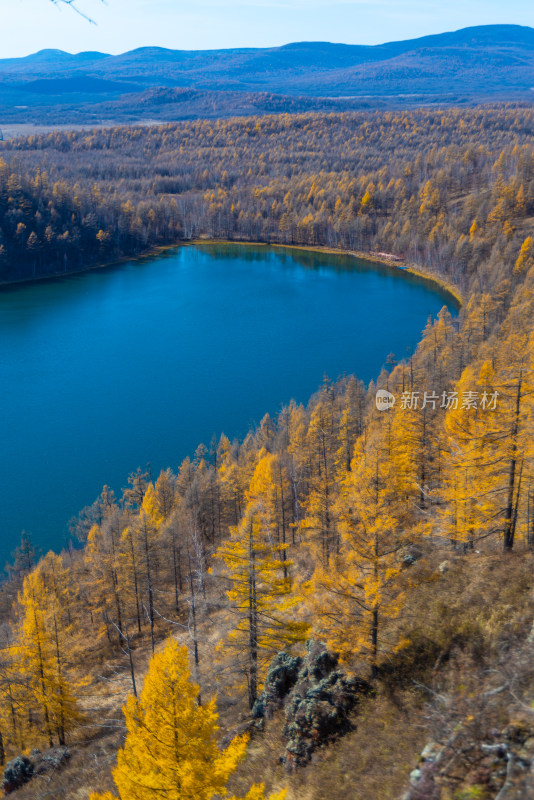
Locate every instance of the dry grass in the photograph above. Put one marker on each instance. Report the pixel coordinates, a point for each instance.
(373, 761)
(483, 604)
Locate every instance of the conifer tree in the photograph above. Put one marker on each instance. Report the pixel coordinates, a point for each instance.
(15, 714)
(471, 508)
(489, 446)
(254, 563)
(366, 585)
(525, 258)
(25, 557)
(171, 742)
(43, 649)
(145, 533)
(102, 560)
(320, 522)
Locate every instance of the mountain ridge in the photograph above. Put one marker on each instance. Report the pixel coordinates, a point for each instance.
(482, 63)
(459, 35)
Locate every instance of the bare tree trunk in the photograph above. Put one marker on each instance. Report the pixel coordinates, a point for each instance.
(509, 519)
(194, 627)
(253, 623)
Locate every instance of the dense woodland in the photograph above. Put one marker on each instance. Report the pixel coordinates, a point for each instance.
(403, 540)
(449, 190)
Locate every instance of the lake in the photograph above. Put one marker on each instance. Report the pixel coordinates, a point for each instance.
(138, 363)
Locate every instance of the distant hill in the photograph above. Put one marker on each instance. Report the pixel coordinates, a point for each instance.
(494, 62)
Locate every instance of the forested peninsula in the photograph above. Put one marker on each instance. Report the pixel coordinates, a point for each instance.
(354, 585)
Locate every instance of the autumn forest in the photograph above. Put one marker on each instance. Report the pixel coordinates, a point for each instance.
(397, 543)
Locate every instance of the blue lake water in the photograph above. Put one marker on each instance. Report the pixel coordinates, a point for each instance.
(109, 370)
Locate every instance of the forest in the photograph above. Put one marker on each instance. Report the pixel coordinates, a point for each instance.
(386, 555)
(450, 190)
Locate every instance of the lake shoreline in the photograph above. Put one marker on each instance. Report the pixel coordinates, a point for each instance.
(412, 269)
(396, 266)
(153, 252)
(140, 363)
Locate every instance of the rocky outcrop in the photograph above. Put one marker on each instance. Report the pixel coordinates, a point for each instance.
(423, 784)
(17, 773)
(502, 768)
(318, 698)
(50, 760)
(22, 769)
(281, 677)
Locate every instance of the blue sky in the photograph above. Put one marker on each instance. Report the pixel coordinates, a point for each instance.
(30, 25)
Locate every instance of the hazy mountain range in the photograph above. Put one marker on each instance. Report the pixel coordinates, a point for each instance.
(493, 62)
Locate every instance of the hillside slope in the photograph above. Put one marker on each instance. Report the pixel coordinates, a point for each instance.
(401, 540)
(495, 61)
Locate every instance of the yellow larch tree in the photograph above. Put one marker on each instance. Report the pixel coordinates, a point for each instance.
(15, 698)
(471, 508)
(353, 598)
(489, 449)
(232, 478)
(254, 562)
(151, 506)
(271, 490)
(165, 493)
(102, 563)
(140, 550)
(43, 647)
(515, 417)
(145, 532)
(351, 424)
(171, 746)
(130, 571)
(319, 525)
(525, 258)
(298, 463)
